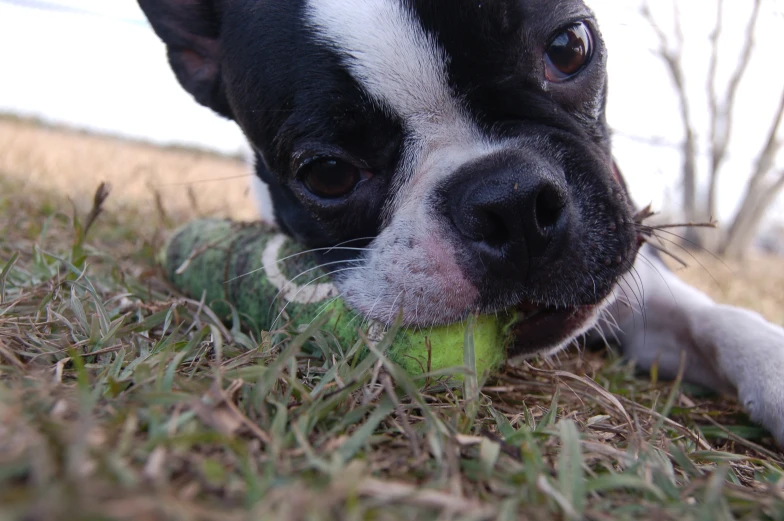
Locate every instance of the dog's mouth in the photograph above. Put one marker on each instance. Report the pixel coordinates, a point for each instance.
(541, 326)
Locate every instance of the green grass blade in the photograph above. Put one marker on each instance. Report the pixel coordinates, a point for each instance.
(571, 475)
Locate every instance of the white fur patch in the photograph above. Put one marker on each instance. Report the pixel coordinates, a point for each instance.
(391, 56)
(290, 291)
(260, 193)
(402, 67)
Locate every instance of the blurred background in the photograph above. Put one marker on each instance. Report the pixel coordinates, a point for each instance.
(696, 102)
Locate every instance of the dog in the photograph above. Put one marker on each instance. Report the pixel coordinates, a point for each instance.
(453, 158)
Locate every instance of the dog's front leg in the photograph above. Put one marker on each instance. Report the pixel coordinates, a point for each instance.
(726, 348)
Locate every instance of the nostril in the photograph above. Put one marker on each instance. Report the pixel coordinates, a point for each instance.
(509, 211)
(549, 207)
(496, 231)
(485, 225)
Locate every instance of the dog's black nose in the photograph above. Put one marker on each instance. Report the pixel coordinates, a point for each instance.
(511, 211)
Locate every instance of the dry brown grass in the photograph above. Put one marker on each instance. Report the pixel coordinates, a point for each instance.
(121, 400)
(74, 163)
(756, 283)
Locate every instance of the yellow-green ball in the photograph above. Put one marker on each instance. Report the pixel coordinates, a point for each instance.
(432, 349)
(257, 271)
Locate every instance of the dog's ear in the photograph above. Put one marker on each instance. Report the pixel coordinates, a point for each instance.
(191, 31)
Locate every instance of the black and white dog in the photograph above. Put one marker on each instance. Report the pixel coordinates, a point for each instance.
(460, 148)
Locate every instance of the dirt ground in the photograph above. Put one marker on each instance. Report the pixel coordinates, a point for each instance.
(187, 183)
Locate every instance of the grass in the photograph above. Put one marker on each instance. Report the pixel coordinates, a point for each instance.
(120, 399)
(51, 158)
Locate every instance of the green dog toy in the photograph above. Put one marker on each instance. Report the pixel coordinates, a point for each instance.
(268, 278)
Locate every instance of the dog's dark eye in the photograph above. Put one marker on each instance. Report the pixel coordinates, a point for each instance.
(331, 178)
(568, 52)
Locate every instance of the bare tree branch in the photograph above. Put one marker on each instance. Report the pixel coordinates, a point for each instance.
(743, 63)
(779, 184)
(676, 14)
(747, 222)
(759, 196)
(713, 102)
(763, 187)
(672, 58)
(722, 114)
(771, 148)
(713, 97)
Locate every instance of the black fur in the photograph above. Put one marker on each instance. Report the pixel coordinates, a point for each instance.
(293, 97)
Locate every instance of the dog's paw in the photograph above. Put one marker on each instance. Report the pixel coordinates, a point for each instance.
(765, 405)
(750, 353)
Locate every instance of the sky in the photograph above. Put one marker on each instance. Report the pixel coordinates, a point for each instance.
(97, 65)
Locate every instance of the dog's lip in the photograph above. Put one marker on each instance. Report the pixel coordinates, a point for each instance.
(539, 326)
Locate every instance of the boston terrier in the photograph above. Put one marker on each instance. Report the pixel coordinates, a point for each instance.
(456, 158)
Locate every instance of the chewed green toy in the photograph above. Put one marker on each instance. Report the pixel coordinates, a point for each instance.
(267, 278)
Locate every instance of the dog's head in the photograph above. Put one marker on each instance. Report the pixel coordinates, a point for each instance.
(456, 150)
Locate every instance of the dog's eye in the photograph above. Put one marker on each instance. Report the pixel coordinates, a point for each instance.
(331, 178)
(568, 52)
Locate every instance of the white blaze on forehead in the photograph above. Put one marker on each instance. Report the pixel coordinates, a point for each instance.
(387, 51)
(401, 66)
(403, 69)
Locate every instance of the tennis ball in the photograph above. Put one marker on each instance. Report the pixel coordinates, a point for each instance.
(272, 281)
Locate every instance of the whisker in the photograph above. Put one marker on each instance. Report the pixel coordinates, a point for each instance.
(291, 257)
(684, 239)
(654, 230)
(638, 281)
(599, 331)
(629, 303)
(322, 310)
(647, 213)
(366, 320)
(392, 307)
(609, 319)
(659, 273)
(246, 274)
(606, 315)
(202, 181)
(301, 274)
(643, 311)
(690, 254)
(668, 253)
(327, 249)
(349, 241)
(711, 224)
(280, 314)
(618, 301)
